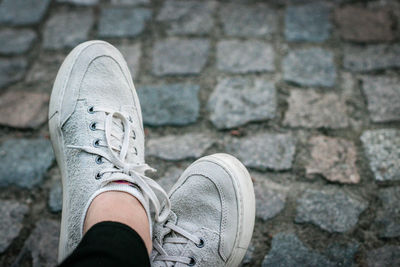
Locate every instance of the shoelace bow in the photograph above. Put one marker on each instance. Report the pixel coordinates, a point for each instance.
(178, 237)
(126, 171)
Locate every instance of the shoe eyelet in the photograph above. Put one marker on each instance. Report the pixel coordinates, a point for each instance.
(99, 160)
(96, 143)
(92, 126)
(97, 176)
(165, 223)
(136, 152)
(201, 244)
(134, 135)
(90, 110)
(192, 262)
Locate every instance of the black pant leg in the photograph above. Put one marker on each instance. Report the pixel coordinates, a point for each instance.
(109, 244)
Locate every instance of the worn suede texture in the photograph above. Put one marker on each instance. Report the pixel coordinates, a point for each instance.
(204, 203)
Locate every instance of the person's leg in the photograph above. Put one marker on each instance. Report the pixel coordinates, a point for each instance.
(119, 207)
(212, 216)
(96, 129)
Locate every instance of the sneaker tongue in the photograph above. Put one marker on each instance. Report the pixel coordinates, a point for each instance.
(118, 130)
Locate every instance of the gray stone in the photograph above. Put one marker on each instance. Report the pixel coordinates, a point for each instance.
(332, 209)
(169, 178)
(334, 158)
(55, 197)
(310, 109)
(245, 56)
(287, 250)
(130, 2)
(385, 256)
(265, 151)
(67, 29)
(371, 57)
(132, 54)
(16, 41)
(245, 20)
(310, 67)
(22, 12)
(236, 101)
(24, 161)
(383, 97)
(123, 21)
(188, 17)
(12, 215)
(270, 198)
(178, 147)
(43, 243)
(382, 148)
(80, 2)
(12, 70)
(388, 218)
(174, 104)
(309, 22)
(342, 254)
(180, 56)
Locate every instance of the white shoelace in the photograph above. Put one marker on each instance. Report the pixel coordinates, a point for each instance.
(117, 156)
(178, 237)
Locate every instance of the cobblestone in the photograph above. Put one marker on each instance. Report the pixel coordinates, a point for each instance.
(319, 71)
(132, 54)
(388, 218)
(22, 12)
(189, 17)
(123, 21)
(287, 250)
(174, 104)
(330, 209)
(67, 29)
(178, 147)
(245, 56)
(385, 256)
(310, 109)
(178, 56)
(382, 148)
(12, 214)
(334, 158)
(309, 22)
(43, 243)
(16, 41)
(363, 25)
(24, 161)
(265, 151)
(55, 197)
(248, 21)
(236, 101)
(371, 58)
(80, 2)
(270, 197)
(383, 97)
(12, 70)
(23, 109)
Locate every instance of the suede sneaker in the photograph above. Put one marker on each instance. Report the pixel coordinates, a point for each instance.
(212, 216)
(97, 134)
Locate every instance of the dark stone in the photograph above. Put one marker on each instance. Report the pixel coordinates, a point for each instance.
(16, 41)
(12, 70)
(123, 21)
(24, 161)
(173, 104)
(22, 12)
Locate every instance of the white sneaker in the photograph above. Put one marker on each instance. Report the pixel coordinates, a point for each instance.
(212, 216)
(97, 134)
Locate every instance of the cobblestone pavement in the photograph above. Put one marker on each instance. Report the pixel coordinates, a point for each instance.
(305, 93)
